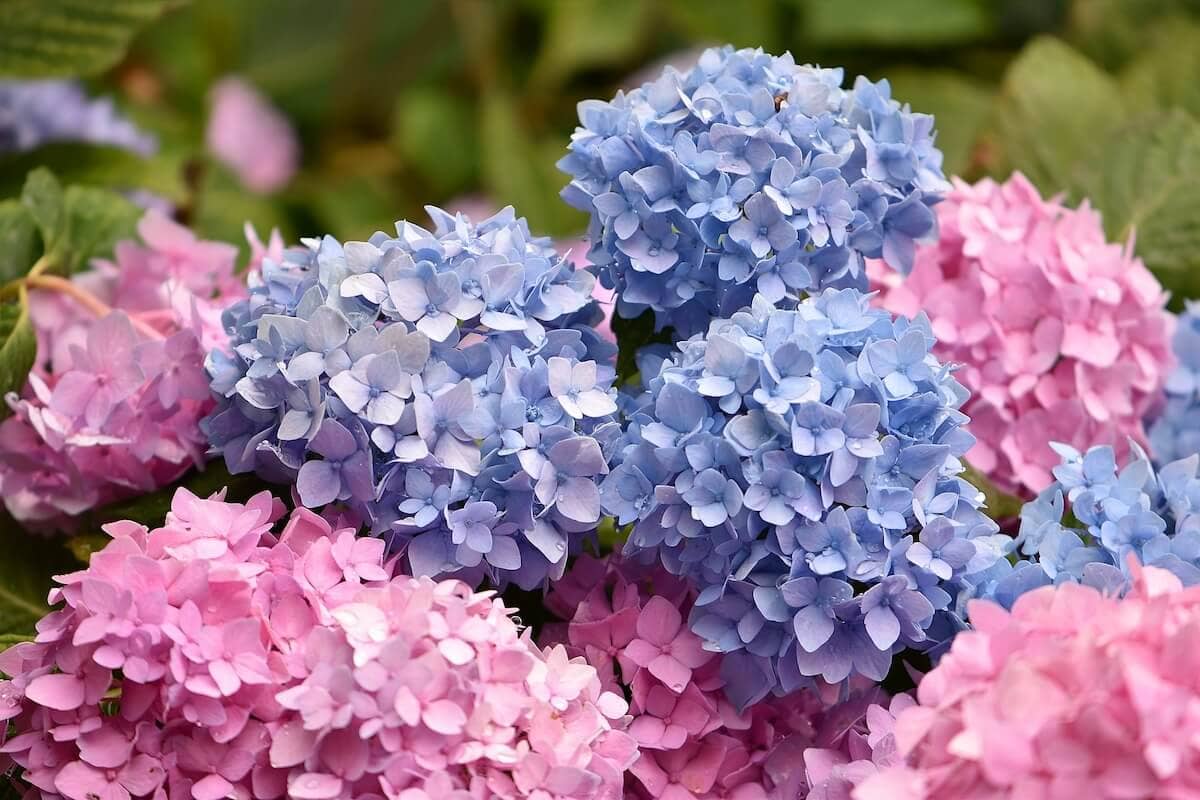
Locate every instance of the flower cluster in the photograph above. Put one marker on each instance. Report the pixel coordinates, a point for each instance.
(448, 386)
(33, 113)
(748, 174)
(627, 620)
(1151, 516)
(1062, 336)
(1175, 431)
(113, 405)
(209, 658)
(1073, 694)
(800, 468)
(251, 137)
(833, 769)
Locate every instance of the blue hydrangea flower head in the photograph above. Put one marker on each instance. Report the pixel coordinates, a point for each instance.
(36, 112)
(447, 385)
(800, 467)
(748, 174)
(1139, 511)
(1175, 432)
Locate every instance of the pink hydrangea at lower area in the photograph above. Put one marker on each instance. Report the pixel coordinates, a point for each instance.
(251, 137)
(214, 658)
(113, 404)
(629, 622)
(1074, 694)
(1061, 336)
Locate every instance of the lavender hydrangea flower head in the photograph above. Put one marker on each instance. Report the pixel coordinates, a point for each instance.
(1137, 510)
(33, 113)
(748, 173)
(1175, 431)
(819, 512)
(446, 385)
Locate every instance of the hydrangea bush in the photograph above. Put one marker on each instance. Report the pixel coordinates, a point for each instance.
(748, 173)
(446, 385)
(628, 621)
(1073, 694)
(1137, 512)
(800, 468)
(508, 574)
(1061, 335)
(212, 658)
(113, 405)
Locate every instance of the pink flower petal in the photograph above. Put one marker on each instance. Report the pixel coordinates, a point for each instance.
(59, 692)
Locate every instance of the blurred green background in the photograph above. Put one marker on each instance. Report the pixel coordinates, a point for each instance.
(408, 102)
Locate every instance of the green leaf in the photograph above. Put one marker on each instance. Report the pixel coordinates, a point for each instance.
(632, 335)
(96, 219)
(43, 196)
(1055, 106)
(435, 132)
(69, 37)
(93, 165)
(895, 22)
(959, 105)
(521, 170)
(18, 346)
(1147, 184)
(20, 244)
(584, 34)
(747, 23)
(26, 573)
(1113, 31)
(1164, 76)
(7, 640)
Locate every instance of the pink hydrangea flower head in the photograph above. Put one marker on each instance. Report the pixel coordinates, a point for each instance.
(627, 620)
(1061, 335)
(113, 405)
(1075, 693)
(216, 657)
(251, 137)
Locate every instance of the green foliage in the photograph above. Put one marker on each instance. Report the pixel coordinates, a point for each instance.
(26, 575)
(76, 224)
(905, 23)
(18, 344)
(108, 167)
(19, 240)
(49, 230)
(1147, 184)
(1164, 76)
(69, 37)
(632, 335)
(583, 34)
(1054, 108)
(435, 132)
(43, 198)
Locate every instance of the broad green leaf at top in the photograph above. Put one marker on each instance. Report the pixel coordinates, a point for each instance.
(47, 38)
(1146, 183)
(1054, 108)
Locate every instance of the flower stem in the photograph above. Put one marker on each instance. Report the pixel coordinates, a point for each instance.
(83, 297)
